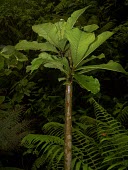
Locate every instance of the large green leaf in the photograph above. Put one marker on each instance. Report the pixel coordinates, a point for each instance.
(47, 60)
(88, 82)
(75, 15)
(47, 31)
(53, 33)
(79, 41)
(111, 65)
(100, 39)
(34, 45)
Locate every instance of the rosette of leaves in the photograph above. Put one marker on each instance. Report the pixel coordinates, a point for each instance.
(63, 42)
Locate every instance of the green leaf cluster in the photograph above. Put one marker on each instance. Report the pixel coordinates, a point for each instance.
(70, 49)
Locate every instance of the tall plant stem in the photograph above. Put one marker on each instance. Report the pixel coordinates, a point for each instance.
(68, 127)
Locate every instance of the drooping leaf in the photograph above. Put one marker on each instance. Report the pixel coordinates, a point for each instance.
(34, 45)
(47, 60)
(111, 65)
(88, 82)
(35, 64)
(90, 28)
(56, 63)
(79, 41)
(8, 50)
(75, 15)
(20, 57)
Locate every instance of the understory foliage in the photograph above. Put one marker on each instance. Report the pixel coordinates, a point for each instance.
(12, 129)
(98, 144)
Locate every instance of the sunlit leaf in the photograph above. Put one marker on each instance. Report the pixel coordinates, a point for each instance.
(79, 41)
(47, 31)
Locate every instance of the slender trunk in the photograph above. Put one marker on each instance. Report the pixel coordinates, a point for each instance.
(68, 127)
